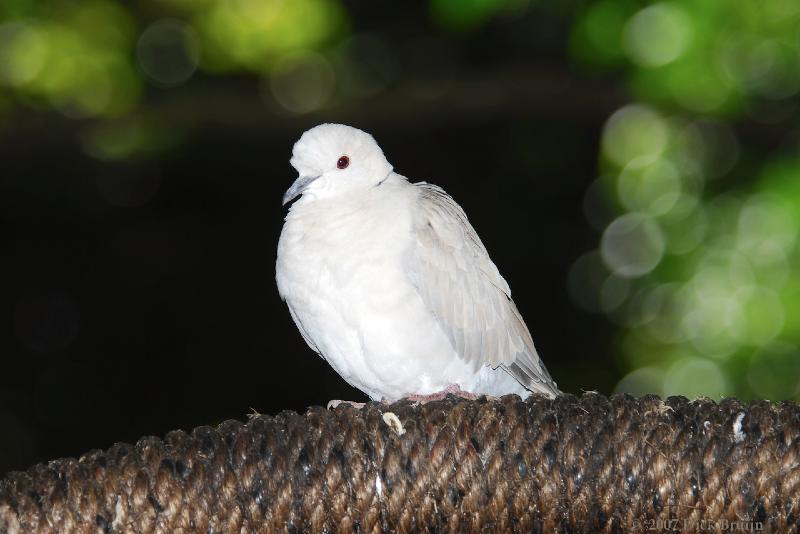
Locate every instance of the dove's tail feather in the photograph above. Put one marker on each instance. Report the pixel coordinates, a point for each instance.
(527, 368)
(532, 380)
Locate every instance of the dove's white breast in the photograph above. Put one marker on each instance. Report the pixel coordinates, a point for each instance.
(340, 268)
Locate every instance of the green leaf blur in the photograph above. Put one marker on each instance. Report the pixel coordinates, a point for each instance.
(698, 268)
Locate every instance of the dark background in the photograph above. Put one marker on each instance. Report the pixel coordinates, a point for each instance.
(137, 290)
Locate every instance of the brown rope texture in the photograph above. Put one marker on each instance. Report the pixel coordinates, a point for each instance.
(571, 464)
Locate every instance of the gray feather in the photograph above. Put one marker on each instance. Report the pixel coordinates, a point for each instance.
(455, 277)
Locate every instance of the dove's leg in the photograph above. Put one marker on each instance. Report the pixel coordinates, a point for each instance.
(332, 405)
(452, 389)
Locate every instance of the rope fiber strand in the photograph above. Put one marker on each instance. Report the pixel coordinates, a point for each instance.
(569, 464)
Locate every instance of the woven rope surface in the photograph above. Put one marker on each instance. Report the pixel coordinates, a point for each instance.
(566, 465)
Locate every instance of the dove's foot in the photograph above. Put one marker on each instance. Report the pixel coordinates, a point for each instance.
(332, 405)
(452, 389)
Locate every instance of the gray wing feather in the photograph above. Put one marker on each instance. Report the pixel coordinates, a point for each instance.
(452, 271)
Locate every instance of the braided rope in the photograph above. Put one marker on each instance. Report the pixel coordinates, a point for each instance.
(565, 465)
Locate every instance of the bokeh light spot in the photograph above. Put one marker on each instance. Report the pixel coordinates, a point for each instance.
(698, 88)
(763, 218)
(713, 313)
(642, 381)
(585, 279)
(597, 35)
(23, 51)
(666, 305)
(302, 82)
(718, 147)
(645, 305)
(763, 316)
(774, 69)
(632, 245)
(770, 264)
(598, 205)
(365, 66)
(648, 185)
(696, 377)
(88, 97)
(168, 52)
(613, 292)
(657, 35)
(632, 132)
(684, 234)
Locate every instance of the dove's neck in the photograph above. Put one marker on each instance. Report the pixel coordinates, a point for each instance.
(358, 200)
(380, 212)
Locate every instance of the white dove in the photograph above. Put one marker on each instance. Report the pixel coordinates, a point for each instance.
(388, 281)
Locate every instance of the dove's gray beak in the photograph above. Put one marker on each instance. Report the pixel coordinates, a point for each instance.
(297, 188)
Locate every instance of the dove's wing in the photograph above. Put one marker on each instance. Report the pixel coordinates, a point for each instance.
(457, 280)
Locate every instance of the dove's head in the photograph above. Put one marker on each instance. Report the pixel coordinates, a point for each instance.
(334, 159)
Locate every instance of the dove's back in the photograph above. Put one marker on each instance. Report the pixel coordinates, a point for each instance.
(394, 289)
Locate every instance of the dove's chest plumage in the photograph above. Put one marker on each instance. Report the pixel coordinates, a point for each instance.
(341, 270)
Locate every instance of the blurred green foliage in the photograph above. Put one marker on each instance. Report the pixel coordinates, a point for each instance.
(74, 57)
(251, 35)
(700, 57)
(700, 271)
(697, 263)
(92, 58)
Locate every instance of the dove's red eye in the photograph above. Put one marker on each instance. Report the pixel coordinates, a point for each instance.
(343, 162)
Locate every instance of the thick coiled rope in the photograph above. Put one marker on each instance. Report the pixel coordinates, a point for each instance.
(571, 464)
